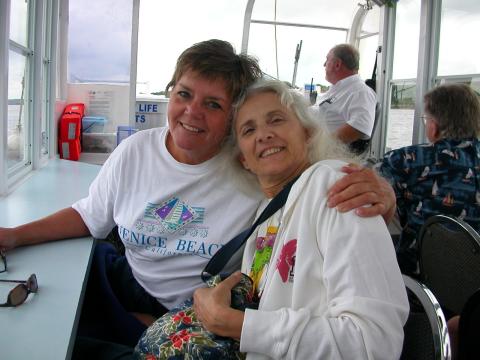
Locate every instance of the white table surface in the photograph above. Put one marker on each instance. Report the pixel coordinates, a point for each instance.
(44, 327)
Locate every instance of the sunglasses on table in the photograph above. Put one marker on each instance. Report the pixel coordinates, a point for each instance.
(19, 293)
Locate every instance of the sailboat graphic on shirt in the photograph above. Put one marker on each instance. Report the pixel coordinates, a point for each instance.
(174, 214)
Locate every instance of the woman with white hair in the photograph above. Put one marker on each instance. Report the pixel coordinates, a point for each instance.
(328, 283)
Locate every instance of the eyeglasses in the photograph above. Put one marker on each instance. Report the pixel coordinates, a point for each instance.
(3, 263)
(19, 293)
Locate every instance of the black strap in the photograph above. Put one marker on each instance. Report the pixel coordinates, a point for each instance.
(374, 73)
(222, 256)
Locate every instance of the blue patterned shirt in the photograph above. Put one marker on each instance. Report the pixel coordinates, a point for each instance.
(431, 179)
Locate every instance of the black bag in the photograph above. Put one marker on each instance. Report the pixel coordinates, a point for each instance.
(372, 82)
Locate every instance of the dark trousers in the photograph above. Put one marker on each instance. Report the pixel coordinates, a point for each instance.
(94, 349)
(469, 334)
(112, 295)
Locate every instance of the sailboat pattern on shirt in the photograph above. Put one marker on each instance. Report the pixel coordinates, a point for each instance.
(430, 179)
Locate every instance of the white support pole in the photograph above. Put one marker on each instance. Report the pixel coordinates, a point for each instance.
(4, 40)
(384, 66)
(353, 36)
(246, 25)
(37, 89)
(52, 96)
(430, 15)
(133, 62)
(63, 49)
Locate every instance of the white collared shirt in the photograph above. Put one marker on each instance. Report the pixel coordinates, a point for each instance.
(348, 101)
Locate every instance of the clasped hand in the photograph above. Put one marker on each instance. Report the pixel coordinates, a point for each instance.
(212, 307)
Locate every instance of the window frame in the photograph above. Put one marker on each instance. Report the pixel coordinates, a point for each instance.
(39, 89)
(19, 170)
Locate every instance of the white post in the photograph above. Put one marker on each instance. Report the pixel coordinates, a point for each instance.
(246, 25)
(4, 41)
(37, 88)
(133, 62)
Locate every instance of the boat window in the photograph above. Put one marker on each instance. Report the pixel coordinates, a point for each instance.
(99, 58)
(165, 30)
(28, 111)
(401, 114)
(368, 43)
(407, 34)
(279, 28)
(262, 44)
(314, 12)
(402, 90)
(46, 83)
(19, 22)
(472, 80)
(458, 52)
(16, 109)
(367, 48)
(18, 95)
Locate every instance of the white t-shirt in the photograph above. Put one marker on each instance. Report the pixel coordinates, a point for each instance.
(172, 217)
(349, 101)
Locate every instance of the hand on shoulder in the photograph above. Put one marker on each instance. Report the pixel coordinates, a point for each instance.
(359, 188)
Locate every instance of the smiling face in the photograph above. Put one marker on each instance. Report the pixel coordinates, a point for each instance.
(198, 118)
(271, 139)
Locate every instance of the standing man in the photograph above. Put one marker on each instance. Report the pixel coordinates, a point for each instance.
(348, 107)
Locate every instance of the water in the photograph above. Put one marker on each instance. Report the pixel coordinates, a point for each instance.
(399, 131)
(400, 128)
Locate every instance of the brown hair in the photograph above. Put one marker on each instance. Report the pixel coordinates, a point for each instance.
(216, 59)
(456, 110)
(348, 54)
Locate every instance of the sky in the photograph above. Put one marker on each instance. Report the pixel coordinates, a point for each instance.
(181, 25)
(100, 36)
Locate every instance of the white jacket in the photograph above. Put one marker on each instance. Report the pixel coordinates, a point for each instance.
(342, 295)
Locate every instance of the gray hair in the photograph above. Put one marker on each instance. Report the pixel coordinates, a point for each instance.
(349, 56)
(320, 146)
(456, 109)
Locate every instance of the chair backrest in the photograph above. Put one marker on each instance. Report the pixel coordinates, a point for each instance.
(469, 329)
(449, 257)
(426, 335)
(360, 146)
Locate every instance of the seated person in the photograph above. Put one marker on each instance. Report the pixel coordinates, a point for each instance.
(328, 282)
(440, 177)
(151, 179)
(348, 107)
